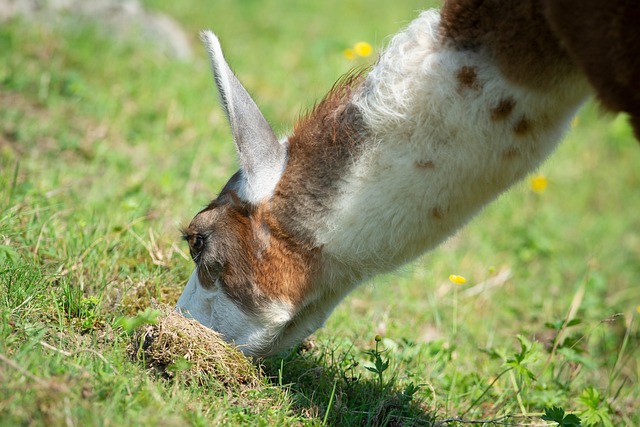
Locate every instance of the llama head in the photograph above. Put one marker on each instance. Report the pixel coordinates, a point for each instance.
(248, 279)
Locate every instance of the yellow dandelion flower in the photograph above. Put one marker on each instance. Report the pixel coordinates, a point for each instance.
(538, 183)
(362, 49)
(349, 54)
(458, 280)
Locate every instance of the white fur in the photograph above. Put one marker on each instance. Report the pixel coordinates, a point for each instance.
(254, 335)
(418, 112)
(221, 71)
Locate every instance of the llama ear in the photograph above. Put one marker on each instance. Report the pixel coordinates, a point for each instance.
(262, 156)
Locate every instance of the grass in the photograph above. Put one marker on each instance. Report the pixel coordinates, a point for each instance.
(107, 147)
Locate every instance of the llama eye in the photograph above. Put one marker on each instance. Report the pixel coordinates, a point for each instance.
(198, 242)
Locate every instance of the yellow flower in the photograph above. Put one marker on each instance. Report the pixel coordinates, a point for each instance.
(638, 309)
(458, 280)
(538, 183)
(349, 54)
(378, 338)
(362, 49)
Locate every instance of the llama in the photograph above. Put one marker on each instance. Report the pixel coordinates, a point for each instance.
(461, 105)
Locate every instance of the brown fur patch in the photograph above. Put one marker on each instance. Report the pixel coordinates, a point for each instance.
(224, 229)
(424, 164)
(522, 126)
(514, 32)
(323, 145)
(437, 213)
(468, 77)
(247, 253)
(603, 38)
(285, 270)
(503, 109)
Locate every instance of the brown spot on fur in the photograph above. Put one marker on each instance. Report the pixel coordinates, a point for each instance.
(514, 32)
(522, 126)
(468, 77)
(424, 164)
(510, 153)
(503, 109)
(437, 213)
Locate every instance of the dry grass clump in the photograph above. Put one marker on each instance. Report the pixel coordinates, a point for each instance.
(184, 349)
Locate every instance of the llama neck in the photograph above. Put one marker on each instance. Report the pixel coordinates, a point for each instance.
(448, 130)
(396, 163)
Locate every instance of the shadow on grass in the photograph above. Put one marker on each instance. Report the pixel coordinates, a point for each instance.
(330, 385)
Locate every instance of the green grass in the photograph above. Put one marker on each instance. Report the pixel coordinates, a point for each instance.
(107, 148)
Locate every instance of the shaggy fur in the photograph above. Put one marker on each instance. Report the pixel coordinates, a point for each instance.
(322, 146)
(418, 111)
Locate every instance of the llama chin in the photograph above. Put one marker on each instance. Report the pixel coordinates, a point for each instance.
(462, 104)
